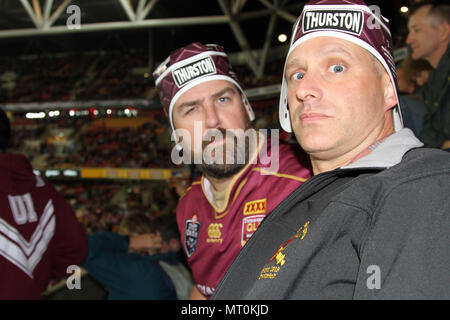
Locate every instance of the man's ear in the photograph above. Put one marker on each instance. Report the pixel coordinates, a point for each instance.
(390, 98)
(443, 32)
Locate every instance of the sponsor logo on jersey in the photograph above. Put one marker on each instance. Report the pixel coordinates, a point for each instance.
(249, 226)
(194, 70)
(214, 233)
(349, 21)
(255, 207)
(271, 269)
(191, 233)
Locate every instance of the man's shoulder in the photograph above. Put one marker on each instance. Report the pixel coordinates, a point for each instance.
(438, 77)
(419, 169)
(193, 192)
(193, 199)
(424, 161)
(416, 163)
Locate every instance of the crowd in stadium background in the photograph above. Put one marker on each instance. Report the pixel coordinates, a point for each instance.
(129, 136)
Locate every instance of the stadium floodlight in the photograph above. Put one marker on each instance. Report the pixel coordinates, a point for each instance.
(282, 37)
(53, 113)
(35, 115)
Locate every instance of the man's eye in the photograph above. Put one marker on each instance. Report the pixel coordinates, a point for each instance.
(337, 68)
(189, 110)
(298, 76)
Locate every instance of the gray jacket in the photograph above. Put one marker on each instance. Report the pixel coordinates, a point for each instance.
(376, 229)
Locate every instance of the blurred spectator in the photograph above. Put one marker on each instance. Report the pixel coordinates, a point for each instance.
(422, 77)
(413, 108)
(180, 185)
(429, 35)
(412, 74)
(138, 263)
(101, 206)
(39, 235)
(177, 271)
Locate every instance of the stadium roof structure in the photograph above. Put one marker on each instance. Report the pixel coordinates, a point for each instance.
(247, 29)
(160, 26)
(238, 25)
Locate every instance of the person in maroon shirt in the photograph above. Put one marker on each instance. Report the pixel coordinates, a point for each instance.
(245, 174)
(40, 236)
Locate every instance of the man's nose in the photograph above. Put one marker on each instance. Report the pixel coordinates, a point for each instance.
(409, 38)
(212, 119)
(309, 87)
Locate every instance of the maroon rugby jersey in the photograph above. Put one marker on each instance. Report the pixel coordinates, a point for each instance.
(212, 237)
(39, 233)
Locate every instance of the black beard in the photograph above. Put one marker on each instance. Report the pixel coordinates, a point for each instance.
(226, 170)
(220, 171)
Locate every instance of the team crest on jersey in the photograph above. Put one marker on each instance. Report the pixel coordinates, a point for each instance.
(249, 226)
(191, 233)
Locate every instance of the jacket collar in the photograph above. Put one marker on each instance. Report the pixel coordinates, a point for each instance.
(389, 152)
